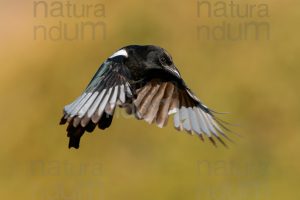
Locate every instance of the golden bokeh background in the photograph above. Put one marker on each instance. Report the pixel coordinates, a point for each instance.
(257, 81)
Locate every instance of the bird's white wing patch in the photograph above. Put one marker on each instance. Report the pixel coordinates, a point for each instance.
(121, 52)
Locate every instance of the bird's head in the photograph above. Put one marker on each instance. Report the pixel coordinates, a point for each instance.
(150, 57)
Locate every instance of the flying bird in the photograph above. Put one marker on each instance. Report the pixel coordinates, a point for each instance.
(144, 81)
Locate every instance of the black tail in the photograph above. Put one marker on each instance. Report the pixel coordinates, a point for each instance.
(75, 133)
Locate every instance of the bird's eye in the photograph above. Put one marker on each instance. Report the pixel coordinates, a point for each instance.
(163, 60)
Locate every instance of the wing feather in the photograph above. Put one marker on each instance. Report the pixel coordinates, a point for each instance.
(87, 105)
(80, 104)
(162, 116)
(144, 105)
(156, 100)
(151, 113)
(113, 101)
(108, 88)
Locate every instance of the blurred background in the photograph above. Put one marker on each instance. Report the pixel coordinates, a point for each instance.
(249, 67)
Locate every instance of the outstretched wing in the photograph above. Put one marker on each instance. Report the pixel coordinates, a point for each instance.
(108, 88)
(160, 98)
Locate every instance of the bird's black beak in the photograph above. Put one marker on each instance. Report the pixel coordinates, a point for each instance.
(172, 69)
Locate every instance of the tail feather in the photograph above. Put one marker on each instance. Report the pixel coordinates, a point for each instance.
(74, 134)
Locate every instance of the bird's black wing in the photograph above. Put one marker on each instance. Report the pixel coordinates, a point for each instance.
(165, 93)
(108, 88)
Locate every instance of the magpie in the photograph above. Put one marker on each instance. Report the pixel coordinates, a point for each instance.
(144, 81)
